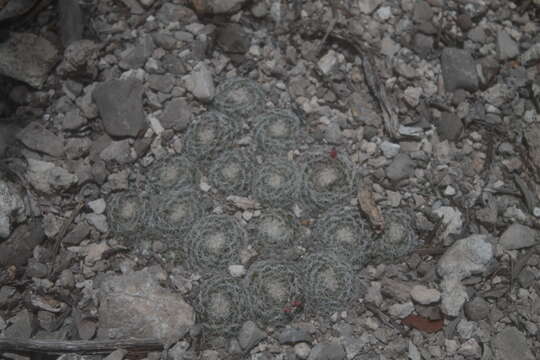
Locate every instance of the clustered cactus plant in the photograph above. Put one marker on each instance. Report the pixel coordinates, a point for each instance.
(231, 172)
(170, 207)
(239, 98)
(326, 180)
(275, 230)
(342, 228)
(277, 131)
(222, 304)
(273, 287)
(214, 242)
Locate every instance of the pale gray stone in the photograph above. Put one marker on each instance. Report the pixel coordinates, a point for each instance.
(424, 295)
(38, 138)
(250, 335)
(453, 296)
(47, 177)
(201, 84)
(518, 236)
(292, 335)
(12, 209)
(531, 56)
(507, 48)
(120, 105)
(466, 257)
(369, 6)
(458, 70)
(400, 168)
(327, 351)
(510, 343)
(136, 305)
(28, 58)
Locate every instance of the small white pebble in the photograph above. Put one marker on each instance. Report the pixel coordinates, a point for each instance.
(237, 270)
(98, 206)
(449, 191)
(302, 350)
(247, 215)
(205, 186)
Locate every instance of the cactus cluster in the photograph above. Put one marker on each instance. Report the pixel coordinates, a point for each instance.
(304, 199)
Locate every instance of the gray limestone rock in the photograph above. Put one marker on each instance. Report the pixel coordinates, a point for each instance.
(170, 12)
(120, 105)
(477, 309)
(250, 335)
(201, 84)
(177, 115)
(458, 70)
(369, 6)
(12, 209)
(136, 305)
(327, 351)
(453, 296)
(507, 48)
(449, 126)
(135, 57)
(510, 343)
(233, 39)
(422, 12)
(20, 245)
(401, 167)
(47, 177)
(531, 56)
(518, 236)
(291, 336)
(117, 151)
(73, 120)
(466, 257)
(28, 58)
(217, 6)
(21, 325)
(37, 138)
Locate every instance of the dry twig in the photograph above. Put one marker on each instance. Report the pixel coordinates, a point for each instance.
(17, 345)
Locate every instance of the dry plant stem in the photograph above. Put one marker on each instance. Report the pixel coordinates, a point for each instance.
(63, 231)
(17, 345)
(367, 204)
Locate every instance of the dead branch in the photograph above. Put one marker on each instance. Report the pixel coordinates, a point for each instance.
(17, 345)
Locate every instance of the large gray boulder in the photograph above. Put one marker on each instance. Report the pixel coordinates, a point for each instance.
(136, 305)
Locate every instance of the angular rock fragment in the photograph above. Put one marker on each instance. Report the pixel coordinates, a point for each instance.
(38, 138)
(12, 209)
(169, 13)
(217, 6)
(201, 84)
(120, 105)
(47, 177)
(458, 70)
(136, 305)
(28, 58)
(510, 343)
(233, 39)
(20, 245)
(507, 48)
(518, 236)
(178, 115)
(466, 257)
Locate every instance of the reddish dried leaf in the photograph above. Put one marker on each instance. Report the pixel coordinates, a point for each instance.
(423, 324)
(333, 153)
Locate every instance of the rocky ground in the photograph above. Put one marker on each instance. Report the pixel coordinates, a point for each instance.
(272, 180)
